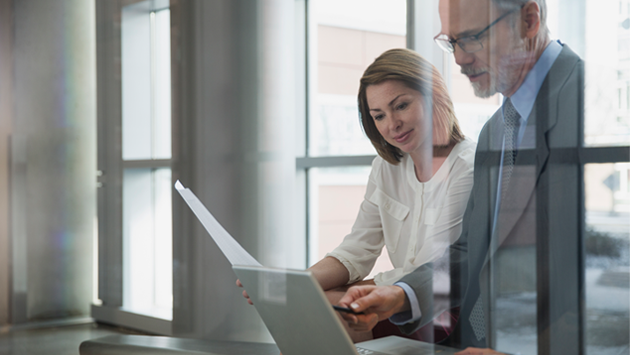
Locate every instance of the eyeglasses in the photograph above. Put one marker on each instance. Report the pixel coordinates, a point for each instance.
(469, 44)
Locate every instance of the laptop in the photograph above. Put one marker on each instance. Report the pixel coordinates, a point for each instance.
(292, 304)
(302, 321)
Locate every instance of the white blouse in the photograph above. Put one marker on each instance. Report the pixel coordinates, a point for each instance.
(416, 221)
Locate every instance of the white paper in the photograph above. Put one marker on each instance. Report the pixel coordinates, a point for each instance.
(233, 251)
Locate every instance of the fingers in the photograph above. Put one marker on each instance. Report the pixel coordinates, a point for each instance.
(364, 323)
(349, 318)
(380, 300)
(239, 284)
(360, 322)
(372, 299)
(360, 299)
(353, 294)
(247, 297)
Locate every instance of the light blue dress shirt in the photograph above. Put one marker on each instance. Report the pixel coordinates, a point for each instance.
(523, 101)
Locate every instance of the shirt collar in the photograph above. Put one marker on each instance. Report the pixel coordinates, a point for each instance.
(524, 98)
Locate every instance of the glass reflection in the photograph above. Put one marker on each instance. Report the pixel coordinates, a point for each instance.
(348, 35)
(607, 251)
(335, 197)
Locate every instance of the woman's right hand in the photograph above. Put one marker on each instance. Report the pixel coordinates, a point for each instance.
(239, 284)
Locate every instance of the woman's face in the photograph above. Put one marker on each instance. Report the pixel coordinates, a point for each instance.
(399, 115)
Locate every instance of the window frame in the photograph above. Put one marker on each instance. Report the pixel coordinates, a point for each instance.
(109, 307)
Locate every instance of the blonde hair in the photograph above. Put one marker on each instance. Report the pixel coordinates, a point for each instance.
(418, 74)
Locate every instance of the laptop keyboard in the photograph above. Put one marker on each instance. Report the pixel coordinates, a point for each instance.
(363, 351)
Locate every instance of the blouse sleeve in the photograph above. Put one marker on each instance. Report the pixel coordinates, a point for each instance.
(360, 249)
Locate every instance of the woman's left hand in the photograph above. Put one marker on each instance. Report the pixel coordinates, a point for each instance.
(239, 284)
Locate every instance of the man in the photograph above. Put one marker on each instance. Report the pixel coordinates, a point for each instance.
(519, 194)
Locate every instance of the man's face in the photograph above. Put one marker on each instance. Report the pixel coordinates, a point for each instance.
(497, 66)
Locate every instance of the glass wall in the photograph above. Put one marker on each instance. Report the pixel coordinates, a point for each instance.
(345, 37)
(348, 35)
(600, 34)
(605, 47)
(607, 88)
(335, 198)
(607, 248)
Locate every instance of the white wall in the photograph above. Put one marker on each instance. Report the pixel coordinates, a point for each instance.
(52, 160)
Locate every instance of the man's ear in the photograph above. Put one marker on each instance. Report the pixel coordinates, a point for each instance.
(530, 19)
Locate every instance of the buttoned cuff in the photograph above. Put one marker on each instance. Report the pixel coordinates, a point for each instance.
(412, 315)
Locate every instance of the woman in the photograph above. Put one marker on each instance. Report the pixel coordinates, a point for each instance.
(419, 184)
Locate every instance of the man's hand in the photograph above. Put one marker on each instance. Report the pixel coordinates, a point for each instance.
(477, 351)
(239, 284)
(377, 302)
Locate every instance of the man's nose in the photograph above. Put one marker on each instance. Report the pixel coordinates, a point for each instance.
(462, 58)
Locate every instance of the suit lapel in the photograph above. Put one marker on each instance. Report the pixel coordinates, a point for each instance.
(533, 152)
(533, 156)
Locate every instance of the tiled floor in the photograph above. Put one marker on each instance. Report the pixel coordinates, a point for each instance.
(62, 340)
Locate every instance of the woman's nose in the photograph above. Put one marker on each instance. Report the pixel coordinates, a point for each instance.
(395, 123)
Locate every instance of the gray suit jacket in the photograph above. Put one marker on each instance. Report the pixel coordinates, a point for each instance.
(533, 213)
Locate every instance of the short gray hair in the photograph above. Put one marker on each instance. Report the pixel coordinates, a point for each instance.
(508, 5)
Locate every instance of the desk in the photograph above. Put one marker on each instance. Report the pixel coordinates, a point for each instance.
(145, 345)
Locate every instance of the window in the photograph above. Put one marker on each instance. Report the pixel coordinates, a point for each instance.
(134, 162)
(607, 257)
(345, 37)
(349, 36)
(146, 154)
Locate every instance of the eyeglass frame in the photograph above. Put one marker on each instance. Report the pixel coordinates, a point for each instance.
(441, 42)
